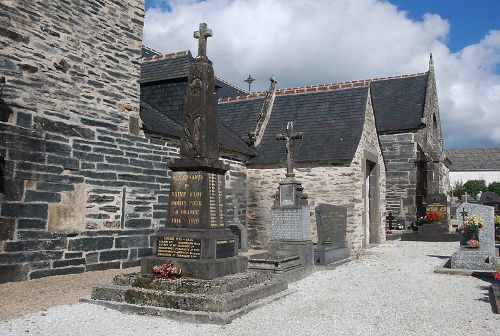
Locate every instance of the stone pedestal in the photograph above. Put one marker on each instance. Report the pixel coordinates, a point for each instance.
(196, 237)
(329, 254)
(291, 222)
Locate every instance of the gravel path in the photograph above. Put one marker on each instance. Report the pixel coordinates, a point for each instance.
(391, 290)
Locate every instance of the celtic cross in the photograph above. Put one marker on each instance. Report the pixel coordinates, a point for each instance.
(202, 35)
(289, 136)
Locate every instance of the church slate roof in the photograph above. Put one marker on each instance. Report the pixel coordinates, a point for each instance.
(165, 68)
(155, 121)
(161, 67)
(331, 121)
(399, 103)
(474, 159)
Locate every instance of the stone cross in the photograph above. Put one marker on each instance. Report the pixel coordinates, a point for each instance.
(289, 136)
(202, 35)
(464, 214)
(465, 197)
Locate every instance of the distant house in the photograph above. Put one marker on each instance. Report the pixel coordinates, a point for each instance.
(474, 164)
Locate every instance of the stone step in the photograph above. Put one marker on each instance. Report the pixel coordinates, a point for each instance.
(189, 301)
(185, 315)
(220, 285)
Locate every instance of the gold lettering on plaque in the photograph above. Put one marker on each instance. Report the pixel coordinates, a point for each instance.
(185, 198)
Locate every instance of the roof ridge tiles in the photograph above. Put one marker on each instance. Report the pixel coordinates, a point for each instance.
(320, 87)
(150, 49)
(167, 56)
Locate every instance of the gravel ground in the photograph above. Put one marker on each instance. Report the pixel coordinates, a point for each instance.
(391, 290)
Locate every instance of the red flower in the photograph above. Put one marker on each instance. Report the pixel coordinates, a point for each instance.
(433, 216)
(497, 276)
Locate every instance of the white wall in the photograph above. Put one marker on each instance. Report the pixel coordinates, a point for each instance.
(488, 176)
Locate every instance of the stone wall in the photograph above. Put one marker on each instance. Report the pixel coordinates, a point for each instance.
(83, 190)
(323, 184)
(400, 154)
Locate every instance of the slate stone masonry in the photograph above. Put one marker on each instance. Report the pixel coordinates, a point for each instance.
(83, 189)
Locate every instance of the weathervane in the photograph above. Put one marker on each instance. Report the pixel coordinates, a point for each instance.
(249, 80)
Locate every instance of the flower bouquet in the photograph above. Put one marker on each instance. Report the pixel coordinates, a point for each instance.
(166, 271)
(472, 243)
(472, 224)
(433, 216)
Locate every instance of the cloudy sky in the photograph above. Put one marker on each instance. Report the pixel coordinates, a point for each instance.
(308, 42)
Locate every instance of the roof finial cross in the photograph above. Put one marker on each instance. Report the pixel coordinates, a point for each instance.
(289, 136)
(202, 35)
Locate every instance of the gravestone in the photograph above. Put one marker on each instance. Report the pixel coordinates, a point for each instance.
(331, 222)
(290, 220)
(196, 237)
(482, 258)
(290, 214)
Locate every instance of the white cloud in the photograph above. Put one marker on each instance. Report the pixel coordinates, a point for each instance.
(322, 41)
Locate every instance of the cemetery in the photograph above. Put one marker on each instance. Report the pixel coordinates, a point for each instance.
(162, 196)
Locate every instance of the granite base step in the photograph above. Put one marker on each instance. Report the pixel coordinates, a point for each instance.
(325, 255)
(438, 237)
(189, 316)
(285, 265)
(221, 295)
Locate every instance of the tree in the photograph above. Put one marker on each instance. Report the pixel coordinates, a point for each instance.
(458, 189)
(495, 187)
(473, 187)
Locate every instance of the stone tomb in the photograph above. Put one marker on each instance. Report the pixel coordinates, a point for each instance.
(439, 231)
(482, 258)
(332, 244)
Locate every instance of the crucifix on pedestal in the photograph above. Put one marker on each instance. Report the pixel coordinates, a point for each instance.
(289, 136)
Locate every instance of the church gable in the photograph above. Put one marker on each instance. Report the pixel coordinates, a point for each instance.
(399, 102)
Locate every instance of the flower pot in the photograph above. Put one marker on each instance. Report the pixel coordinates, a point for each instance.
(466, 235)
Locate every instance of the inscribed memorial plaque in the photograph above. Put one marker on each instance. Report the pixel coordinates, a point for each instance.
(224, 248)
(179, 247)
(185, 199)
(287, 194)
(331, 223)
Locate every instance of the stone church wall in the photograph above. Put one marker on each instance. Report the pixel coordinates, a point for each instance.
(323, 184)
(400, 154)
(84, 189)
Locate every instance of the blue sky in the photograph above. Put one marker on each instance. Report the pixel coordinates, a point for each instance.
(307, 42)
(470, 20)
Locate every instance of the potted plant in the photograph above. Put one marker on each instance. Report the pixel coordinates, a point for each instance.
(470, 229)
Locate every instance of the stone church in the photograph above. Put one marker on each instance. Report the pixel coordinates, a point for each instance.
(89, 120)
